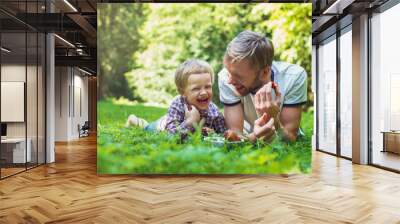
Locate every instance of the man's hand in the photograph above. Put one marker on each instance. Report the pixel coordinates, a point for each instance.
(263, 128)
(290, 118)
(192, 115)
(264, 102)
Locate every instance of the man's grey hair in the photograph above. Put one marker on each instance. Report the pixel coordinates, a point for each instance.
(252, 46)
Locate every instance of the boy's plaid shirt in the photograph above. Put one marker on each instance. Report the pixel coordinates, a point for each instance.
(175, 121)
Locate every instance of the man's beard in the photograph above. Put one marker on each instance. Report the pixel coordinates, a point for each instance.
(257, 84)
(243, 92)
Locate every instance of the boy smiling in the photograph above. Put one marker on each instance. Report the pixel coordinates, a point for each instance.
(192, 107)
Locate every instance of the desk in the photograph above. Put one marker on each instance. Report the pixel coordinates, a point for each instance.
(16, 147)
(391, 141)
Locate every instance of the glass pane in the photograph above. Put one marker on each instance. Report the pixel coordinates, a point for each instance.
(41, 99)
(31, 87)
(327, 96)
(13, 85)
(385, 89)
(346, 94)
(31, 98)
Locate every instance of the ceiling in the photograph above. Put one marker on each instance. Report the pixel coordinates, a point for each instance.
(330, 15)
(74, 22)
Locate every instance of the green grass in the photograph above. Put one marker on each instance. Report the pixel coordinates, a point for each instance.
(135, 151)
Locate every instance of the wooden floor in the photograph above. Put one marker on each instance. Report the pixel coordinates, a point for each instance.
(387, 159)
(69, 191)
(10, 171)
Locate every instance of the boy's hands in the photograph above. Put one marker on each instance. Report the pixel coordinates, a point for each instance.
(207, 131)
(192, 115)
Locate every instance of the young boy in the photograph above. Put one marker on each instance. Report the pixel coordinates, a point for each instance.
(192, 107)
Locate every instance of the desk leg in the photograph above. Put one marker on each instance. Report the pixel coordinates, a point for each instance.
(384, 142)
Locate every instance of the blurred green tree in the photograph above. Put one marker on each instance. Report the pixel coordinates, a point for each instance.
(118, 39)
(168, 34)
(290, 26)
(176, 32)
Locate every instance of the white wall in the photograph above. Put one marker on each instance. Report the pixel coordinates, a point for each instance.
(80, 110)
(13, 73)
(62, 81)
(33, 126)
(9, 73)
(71, 94)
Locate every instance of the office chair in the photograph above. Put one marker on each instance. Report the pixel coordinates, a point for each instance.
(84, 130)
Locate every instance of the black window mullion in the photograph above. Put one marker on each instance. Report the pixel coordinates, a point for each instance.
(26, 86)
(0, 94)
(338, 73)
(45, 88)
(45, 94)
(73, 92)
(37, 91)
(317, 96)
(369, 98)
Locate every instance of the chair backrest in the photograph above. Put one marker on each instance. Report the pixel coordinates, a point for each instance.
(86, 125)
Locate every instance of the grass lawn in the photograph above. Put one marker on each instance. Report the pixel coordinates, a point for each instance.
(134, 151)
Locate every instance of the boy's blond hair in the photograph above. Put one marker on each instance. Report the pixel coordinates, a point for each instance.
(189, 67)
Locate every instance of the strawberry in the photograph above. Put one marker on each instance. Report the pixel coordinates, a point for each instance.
(231, 136)
(265, 118)
(274, 85)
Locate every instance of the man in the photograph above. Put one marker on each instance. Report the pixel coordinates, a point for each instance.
(252, 102)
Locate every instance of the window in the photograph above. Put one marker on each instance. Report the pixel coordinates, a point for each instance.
(22, 76)
(327, 96)
(385, 88)
(346, 76)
